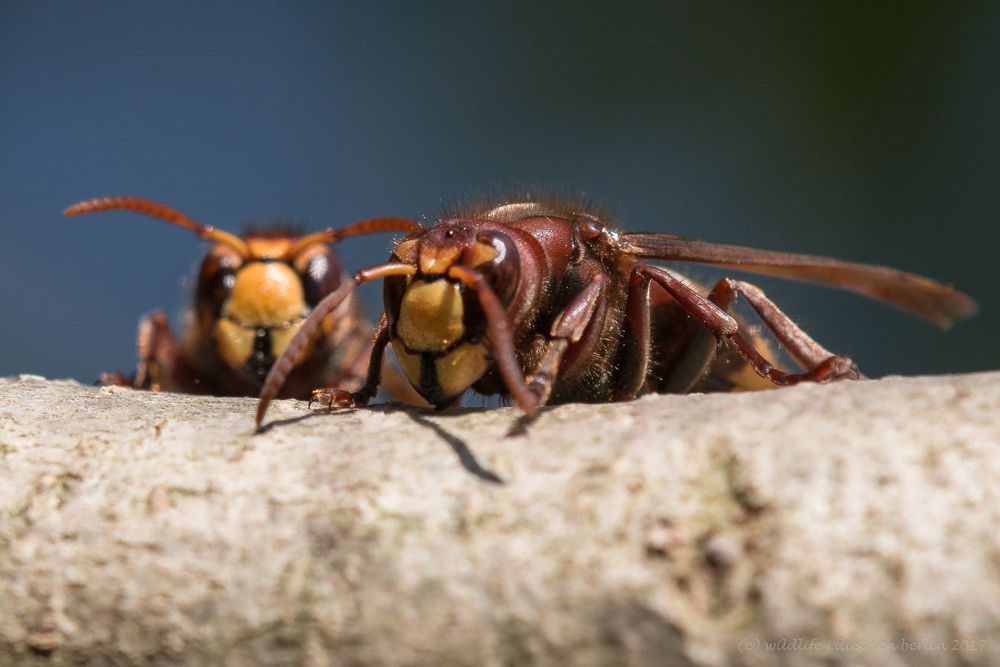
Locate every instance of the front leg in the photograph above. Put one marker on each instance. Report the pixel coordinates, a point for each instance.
(332, 397)
(158, 354)
(568, 329)
(113, 379)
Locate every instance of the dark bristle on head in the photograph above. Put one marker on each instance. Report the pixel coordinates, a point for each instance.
(274, 230)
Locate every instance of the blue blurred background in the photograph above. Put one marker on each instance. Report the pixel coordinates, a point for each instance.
(864, 131)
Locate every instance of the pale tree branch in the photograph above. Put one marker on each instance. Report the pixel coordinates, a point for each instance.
(855, 523)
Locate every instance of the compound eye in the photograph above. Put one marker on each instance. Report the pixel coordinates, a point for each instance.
(216, 281)
(316, 278)
(503, 270)
(222, 286)
(319, 273)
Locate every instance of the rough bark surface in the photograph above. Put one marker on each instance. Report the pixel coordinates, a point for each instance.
(848, 524)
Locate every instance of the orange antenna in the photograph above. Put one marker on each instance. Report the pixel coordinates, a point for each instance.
(370, 226)
(155, 210)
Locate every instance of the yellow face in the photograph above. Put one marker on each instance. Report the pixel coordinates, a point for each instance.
(430, 341)
(264, 310)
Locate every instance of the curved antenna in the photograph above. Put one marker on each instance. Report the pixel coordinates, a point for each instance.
(161, 211)
(370, 226)
(309, 329)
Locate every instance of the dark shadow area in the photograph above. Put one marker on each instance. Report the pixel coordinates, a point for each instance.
(462, 451)
(317, 411)
(264, 428)
(521, 424)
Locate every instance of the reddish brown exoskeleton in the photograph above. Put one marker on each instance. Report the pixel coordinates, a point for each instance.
(548, 303)
(253, 293)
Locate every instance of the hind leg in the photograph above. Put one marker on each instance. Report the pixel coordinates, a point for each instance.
(819, 364)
